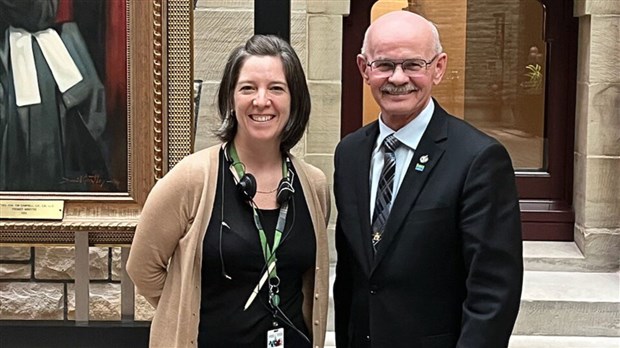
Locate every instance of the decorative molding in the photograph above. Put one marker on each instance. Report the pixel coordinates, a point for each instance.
(179, 66)
(111, 217)
(157, 90)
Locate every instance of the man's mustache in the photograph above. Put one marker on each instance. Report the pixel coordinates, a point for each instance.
(393, 89)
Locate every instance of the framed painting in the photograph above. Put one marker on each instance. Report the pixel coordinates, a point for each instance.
(96, 105)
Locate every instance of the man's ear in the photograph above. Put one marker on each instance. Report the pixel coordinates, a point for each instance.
(441, 65)
(361, 65)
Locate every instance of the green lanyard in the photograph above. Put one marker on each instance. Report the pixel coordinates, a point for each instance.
(269, 254)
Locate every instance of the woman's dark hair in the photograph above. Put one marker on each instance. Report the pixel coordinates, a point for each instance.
(265, 45)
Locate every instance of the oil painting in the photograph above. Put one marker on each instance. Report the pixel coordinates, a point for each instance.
(63, 96)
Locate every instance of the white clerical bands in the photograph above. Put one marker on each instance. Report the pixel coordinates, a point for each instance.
(63, 68)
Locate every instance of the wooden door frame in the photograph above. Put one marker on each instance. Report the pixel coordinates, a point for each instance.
(546, 200)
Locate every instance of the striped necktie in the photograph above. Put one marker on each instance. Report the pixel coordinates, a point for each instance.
(384, 191)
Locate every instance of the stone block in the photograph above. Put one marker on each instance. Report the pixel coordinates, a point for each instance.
(216, 34)
(324, 162)
(296, 5)
(299, 5)
(324, 47)
(299, 33)
(602, 185)
(324, 126)
(600, 247)
(31, 301)
(116, 264)
(583, 53)
(15, 271)
(341, 7)
(537, 341)
(143, 309)
(225, 4)
(581, 118)
(299, 150)
(561, 257)
(569, 303)
(59, 263)
(331, 237)
(579, 187)
(566, 318)
(600, 7)
(15, 253)
(604, 49)
(603, 119)
(104, 301)
(208, 118)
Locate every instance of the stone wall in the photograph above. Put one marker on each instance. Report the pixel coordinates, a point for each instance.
(596, 192)
(37, 283)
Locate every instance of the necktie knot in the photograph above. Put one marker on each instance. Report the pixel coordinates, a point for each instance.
(390, 143)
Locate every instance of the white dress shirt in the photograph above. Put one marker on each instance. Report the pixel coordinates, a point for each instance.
(409, 137)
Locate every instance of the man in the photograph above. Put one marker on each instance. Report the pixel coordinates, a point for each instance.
(439, 264)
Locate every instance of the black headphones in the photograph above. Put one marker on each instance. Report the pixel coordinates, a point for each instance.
(246, 182)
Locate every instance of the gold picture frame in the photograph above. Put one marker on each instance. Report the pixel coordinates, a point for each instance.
(159, 132)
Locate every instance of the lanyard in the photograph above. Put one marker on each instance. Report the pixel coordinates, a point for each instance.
(269, 253)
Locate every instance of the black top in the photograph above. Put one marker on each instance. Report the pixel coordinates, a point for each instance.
(223, 322)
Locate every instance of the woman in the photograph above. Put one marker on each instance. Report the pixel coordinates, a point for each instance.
(231, 246)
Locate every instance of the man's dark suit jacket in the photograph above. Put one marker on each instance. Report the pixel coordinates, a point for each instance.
(448, 271)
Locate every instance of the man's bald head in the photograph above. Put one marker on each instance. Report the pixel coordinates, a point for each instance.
(401, 22)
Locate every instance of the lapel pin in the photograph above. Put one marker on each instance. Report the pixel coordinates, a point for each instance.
(420, 166)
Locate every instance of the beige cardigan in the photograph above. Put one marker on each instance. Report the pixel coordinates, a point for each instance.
(166, 255)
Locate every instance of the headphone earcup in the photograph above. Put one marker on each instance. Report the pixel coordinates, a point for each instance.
(247, 186)
(285, 191)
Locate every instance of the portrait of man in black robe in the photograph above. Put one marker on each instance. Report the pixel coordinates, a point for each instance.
(62, 96)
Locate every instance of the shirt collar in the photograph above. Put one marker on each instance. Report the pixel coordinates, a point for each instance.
(412, 132)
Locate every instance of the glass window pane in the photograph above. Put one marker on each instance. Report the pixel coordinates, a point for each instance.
(496, 69)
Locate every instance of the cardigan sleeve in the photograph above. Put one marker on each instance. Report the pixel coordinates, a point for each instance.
(164, 220)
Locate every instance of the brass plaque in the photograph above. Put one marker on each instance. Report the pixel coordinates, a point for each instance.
(31, 209)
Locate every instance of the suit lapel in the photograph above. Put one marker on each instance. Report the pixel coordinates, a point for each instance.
(424, 160)
(362, 188)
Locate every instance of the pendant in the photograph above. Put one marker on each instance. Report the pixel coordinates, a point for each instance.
(275, 300)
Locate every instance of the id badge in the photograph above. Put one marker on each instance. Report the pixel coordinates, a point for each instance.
(275, 338)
